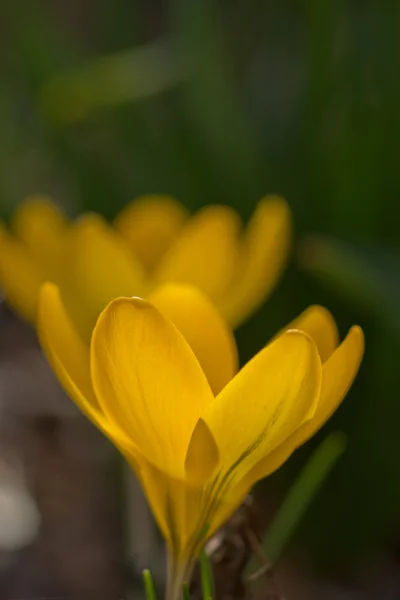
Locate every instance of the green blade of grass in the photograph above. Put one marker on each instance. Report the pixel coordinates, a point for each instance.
(149, 585)
(302, 494)
(185, 591)
(207, 579)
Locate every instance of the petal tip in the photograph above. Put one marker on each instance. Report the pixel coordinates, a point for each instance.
(202, 455)
(118, 305)
(49, 287)
(306, 342)
(178, 289)
(34, 202)
(88, 222)
(304, 339)
(326, 316)
(294, 332)
(135, 301)
(359, 338)
(277, 203)
(49, 296)
(48, 291)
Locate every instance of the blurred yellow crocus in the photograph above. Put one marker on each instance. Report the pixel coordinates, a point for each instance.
(160, 380)
(153, 241)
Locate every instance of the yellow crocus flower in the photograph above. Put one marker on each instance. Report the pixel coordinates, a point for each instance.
(153, 241)
(160, 380)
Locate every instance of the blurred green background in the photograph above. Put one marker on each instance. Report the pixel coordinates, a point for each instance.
(224, 102)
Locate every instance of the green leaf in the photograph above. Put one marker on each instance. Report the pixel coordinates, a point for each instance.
(110, 81)
(301, 494)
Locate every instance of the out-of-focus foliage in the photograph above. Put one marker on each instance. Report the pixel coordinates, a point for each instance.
(222, 102)
(302, 493)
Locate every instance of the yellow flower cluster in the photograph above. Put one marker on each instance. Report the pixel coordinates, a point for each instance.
(159, 376)
(152, 241)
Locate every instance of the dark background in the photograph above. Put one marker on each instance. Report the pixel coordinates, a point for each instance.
(223, 102)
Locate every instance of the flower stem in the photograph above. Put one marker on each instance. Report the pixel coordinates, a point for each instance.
(177, 574)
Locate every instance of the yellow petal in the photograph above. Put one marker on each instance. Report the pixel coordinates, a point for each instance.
(39, 224)
(67, 354)
(269, 398)
(149, 225)
(202, 455)
(179, 509)
(264, 253)
(205, 253)
(156, 486)
(338, 374)
(101, 267)
(148, 381)
(273, 461)
(20, 277)
(203, 328)
(69, 358)
(319, 324)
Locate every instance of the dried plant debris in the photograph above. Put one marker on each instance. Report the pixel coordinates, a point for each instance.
(229, 552)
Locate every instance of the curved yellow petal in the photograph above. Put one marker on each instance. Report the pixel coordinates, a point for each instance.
(102, 268)
(20, 277)
(67, 354)
(205, 253)
(202, 327)
(69, 359)
(273, 461)
(338, 374)
(264, 252)
(202, 455)
(155, 485)
(148, 381)
(150, 224)
(319, 324)
(39, 224)
(261, 407)
(179, 509)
